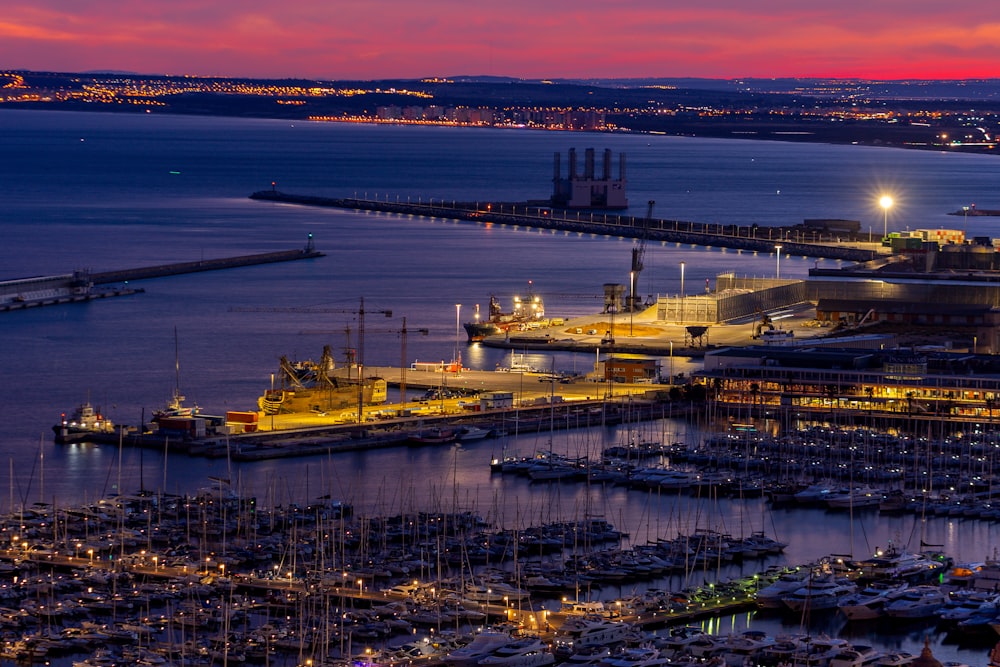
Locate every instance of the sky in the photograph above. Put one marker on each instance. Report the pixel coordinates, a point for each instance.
(533, 39)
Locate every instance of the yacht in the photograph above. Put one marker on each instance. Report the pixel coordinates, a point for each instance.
(642, 656)
(856, 655)
(482, 645)
(965, 604)
(820, 593)
(870, 602)
(861, 497)
(744, 648)
(895, 564)
(585, 631)
(773, 595)
(587, 656)
(817, 652)
(525, 652)
(677, 640)
(918, 602)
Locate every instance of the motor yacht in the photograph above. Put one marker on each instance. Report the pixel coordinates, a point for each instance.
(918, 602)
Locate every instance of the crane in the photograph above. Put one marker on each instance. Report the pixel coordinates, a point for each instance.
(402, 353)
(361, 334)
(638, 256)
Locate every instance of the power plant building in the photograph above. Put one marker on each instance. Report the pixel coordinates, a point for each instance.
(584, 190)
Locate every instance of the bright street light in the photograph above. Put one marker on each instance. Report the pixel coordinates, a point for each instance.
(886, 203)
(777, 264)
(458, 328)
(631, 297)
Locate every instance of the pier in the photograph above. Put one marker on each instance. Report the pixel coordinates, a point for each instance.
(82, 286)
(740, 237)
(161, 270)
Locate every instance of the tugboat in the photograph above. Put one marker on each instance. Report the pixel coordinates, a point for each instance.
(527, 310)
(84, 423)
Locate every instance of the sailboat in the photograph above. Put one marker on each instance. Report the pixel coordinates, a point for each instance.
(175, 406)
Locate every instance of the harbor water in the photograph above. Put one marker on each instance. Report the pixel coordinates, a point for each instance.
(108, 191)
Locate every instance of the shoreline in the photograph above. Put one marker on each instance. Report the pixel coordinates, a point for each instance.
(792, 134)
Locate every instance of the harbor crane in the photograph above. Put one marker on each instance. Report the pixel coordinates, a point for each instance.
(402, 352)
(638, 257)
(360, 312)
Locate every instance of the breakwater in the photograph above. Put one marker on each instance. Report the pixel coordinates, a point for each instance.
(161, 270)
(740, 237)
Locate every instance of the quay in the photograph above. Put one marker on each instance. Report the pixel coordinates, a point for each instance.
(740, 237)
(297, 435)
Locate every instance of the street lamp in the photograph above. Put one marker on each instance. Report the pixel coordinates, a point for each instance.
(458, 327)
(631, 296)
(965, 215)
(682, 292)
(671, 363)
(886, 203)
(777, 264)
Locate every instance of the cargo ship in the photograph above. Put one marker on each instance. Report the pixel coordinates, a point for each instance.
(309, 386)
(528, 311)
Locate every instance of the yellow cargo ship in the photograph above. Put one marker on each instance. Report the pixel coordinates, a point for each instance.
(309, 386)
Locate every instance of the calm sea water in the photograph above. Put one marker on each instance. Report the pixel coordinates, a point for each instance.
(103, 191)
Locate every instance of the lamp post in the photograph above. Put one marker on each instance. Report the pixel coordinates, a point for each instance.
(886, 203)
(458, 327)
(682, 292)
(777, 263)
(965, 221)
(671, 363)
(631, 297)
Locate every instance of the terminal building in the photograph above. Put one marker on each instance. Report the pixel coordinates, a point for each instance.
(25, 291)
(950, 386)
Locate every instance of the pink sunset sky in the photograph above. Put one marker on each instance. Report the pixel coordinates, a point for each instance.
(379, 39)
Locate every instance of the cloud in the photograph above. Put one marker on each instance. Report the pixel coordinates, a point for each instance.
(558, 38)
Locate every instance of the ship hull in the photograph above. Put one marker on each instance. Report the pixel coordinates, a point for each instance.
(322, 399)
(477, 331)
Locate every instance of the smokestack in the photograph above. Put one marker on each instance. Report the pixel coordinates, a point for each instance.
(556, 174)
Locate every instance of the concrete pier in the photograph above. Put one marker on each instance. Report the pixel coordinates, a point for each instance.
(742, 237)
(79, 287)
(146, 272)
